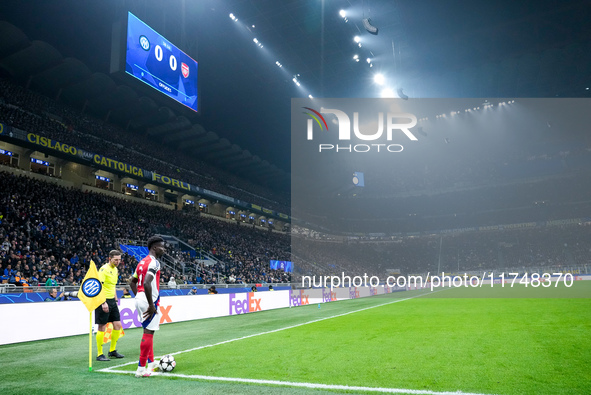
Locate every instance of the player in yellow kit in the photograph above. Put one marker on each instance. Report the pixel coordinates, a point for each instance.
(109, 311)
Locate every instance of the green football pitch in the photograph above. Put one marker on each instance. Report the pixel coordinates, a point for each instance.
(481, 341)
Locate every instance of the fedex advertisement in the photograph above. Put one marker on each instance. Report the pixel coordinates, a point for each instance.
(299, 297)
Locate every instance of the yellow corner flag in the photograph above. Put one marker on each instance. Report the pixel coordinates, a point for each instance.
(91, 291)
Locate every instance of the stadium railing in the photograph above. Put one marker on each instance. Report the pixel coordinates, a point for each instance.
(5, 288)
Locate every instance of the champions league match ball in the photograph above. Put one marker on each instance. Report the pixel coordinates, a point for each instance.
(167, 363)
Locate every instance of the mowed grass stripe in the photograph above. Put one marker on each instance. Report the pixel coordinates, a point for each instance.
(473, 345)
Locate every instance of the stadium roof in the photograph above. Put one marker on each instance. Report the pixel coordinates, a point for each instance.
(427, 48)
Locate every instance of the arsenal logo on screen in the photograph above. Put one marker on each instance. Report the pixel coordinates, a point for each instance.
(185, 70)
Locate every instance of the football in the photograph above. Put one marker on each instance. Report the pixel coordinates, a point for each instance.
(167, 363)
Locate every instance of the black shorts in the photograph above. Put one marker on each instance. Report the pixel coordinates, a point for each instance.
(103, 318)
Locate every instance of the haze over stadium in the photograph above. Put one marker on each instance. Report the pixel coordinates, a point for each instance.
(268, 142)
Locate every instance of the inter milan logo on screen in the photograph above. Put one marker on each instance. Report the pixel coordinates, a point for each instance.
(91, 287)
(145, 43)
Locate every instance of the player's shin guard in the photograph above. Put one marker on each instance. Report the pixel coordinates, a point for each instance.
(146, 348)
(114, 337)
(100, 336)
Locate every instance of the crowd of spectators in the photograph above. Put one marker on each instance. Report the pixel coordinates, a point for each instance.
(49, 232)
(520, 250)
(36, 113)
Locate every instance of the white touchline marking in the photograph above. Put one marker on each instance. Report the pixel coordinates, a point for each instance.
(307, 385)
(110, 369)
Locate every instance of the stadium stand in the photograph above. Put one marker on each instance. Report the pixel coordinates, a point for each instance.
(36, 113)
(51, 230)
(558, 247)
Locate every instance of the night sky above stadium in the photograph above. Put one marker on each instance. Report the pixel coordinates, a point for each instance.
(245, 95)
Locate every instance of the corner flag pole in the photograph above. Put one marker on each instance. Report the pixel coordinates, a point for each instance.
(92, 294)
(90, 343)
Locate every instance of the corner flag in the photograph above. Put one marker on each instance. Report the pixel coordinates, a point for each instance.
(91, 291)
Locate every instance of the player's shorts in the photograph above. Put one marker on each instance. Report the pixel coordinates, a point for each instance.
(103, 318)
(141, 304)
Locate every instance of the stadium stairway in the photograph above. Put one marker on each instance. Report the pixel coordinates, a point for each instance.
(139, 251)
(203, 256)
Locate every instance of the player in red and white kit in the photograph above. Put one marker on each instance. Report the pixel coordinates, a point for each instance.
(145, 284)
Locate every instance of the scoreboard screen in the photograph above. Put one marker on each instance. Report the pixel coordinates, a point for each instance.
(154, 60)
